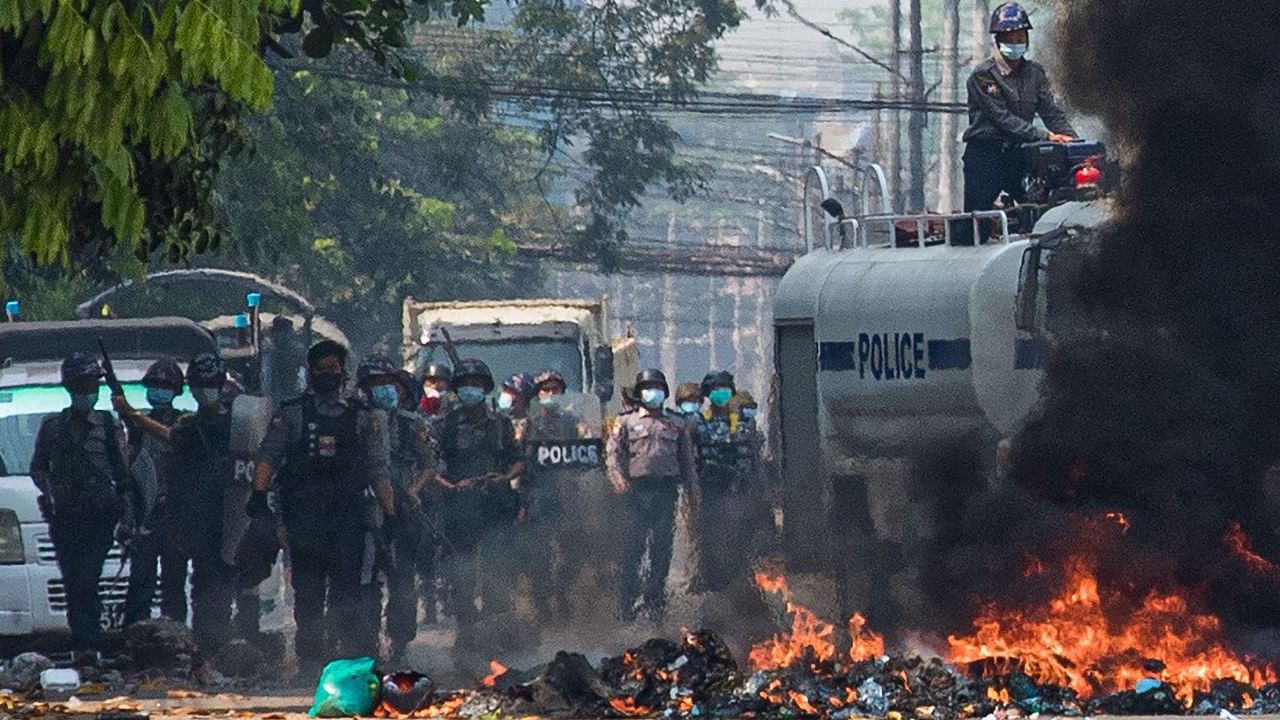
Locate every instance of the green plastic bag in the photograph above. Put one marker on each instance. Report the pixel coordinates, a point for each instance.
(347, 688)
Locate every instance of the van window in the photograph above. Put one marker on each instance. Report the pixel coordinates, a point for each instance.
(24, 407)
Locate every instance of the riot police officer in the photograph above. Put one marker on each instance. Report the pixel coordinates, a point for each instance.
(689, 400)
(437, 391)
(161, 537)
(333, 460)
(481, 461)
(414, 463)
(201, 445)
(79, 467)
(729, 484)
(513, 401)
(651, 454)
(1005, 93)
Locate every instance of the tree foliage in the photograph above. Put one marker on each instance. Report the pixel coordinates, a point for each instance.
(99, 96)
(116, 114)
(404, 199)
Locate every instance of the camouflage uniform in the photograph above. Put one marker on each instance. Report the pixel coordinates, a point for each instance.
(728, 467)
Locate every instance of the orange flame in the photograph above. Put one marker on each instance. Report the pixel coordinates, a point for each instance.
(1239, 544)
(1073, 642)
(866, 645)
(496, 670)
(1121, 520)
(809, 636)
(628, 706)
(801, 701)
(1000, 696)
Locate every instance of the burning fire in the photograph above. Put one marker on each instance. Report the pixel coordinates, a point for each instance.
(628, 706)
(1242, 547)
(1075, 642)
(496, 670)
(810, 637)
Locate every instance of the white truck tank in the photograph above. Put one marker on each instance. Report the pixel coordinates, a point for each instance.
(914, 345)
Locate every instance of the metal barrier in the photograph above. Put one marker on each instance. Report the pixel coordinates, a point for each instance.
(821, 175)
(922, 220)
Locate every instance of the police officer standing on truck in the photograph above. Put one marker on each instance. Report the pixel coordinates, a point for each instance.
(161, 536)
(1005, 93)
(78, 465)
(414, 462)
(651, 454)
(332, 455)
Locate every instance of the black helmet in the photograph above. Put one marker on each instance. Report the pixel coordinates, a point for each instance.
(206, 371)
(409, 386)
(717, 378)
(473, 368)
(522, 384)
(324, 349)
(80, 366)
(375, 366)
(163, 373)
(438, 371)
(651, 378)
(1009, 17)
(549, 376)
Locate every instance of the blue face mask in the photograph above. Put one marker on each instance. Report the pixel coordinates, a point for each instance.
(652, 397)
(157, 397)
(470, 396)
(506, 401)
(83, 401)
(748, 413)
(720, 396)
(550, 402)
(1012, 51)
(689, 407)
(385, 396)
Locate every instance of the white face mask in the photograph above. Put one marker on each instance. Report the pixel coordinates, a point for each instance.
(506, 401)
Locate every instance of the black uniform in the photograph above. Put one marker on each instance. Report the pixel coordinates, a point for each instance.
(162, 536)
(78, 464)
(202, 449)
(329, 455)
(1002, 105)
(728, 519)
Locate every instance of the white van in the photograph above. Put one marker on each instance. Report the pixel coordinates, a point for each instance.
(32, 598)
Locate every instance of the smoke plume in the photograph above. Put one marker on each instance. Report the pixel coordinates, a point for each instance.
(1161, 404)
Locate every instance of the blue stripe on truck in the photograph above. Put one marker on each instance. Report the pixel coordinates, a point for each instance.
(950, 354)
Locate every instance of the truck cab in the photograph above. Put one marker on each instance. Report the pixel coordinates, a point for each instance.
(32, 598)
(513, 336)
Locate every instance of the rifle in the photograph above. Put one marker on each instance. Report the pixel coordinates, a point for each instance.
(110, 372)
(449, 348)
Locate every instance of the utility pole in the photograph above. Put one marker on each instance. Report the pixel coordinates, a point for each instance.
(981, 24)
(948, 150)
(915, 127)
(895, 94)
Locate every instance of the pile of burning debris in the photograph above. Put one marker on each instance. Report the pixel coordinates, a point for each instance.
(1067, 659)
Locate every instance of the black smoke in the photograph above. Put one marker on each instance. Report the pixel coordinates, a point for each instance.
(1163, 401)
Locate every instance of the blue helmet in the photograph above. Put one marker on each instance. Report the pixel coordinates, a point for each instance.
(206, 371)
(1009, 17)
(80, 366)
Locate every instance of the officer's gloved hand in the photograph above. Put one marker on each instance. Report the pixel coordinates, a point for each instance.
(258, 506)
(124, 533)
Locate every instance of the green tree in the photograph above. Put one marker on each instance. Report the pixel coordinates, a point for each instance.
(115, 114)
(376, 195)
